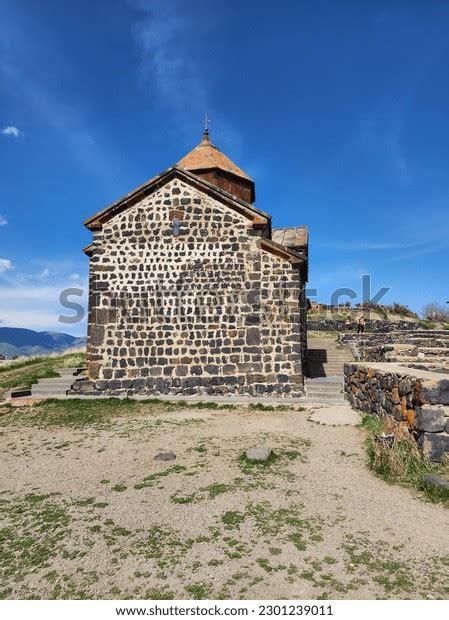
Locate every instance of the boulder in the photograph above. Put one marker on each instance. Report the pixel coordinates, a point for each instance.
(165, 456)
(436, 391)
(258, 454)
(431, 418)
(435, 481)
(436, 445)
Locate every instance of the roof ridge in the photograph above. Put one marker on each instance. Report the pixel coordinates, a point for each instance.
(112, 207)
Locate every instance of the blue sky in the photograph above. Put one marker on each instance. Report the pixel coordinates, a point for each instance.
(338, 110)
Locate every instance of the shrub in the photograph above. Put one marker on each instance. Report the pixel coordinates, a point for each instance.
(427, 324)
(401, 310)
(436, 312)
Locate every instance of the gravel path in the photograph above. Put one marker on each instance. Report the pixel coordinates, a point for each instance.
(88, 513)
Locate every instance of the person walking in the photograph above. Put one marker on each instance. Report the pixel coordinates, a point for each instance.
(349, 322)
(361, 325)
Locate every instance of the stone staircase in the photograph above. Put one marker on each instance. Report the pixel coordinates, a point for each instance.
(326, 360)
(54, 386)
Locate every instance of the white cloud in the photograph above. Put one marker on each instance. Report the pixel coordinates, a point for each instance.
(5, 264)
(75, 277)
(36, 306)
(43, 275)
(10, 130)
(3, 220)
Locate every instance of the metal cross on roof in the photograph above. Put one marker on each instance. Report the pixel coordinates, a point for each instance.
(206, 121)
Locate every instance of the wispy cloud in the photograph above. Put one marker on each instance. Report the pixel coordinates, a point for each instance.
(391, 251)
(10, 130)
(381, 132)
(3, 220)
(5, 265)
(164, 36)
(43, 275)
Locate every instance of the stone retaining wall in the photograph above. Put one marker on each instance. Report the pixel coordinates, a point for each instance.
(331, 325)
(415, 397)
(425, 350)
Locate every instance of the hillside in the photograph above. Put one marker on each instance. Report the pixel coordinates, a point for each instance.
(18, 341)
(393, 312)
(26, 372)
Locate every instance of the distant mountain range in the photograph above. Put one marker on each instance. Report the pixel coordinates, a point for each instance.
(17, 341)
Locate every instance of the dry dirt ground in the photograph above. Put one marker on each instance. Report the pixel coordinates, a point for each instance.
(88, 513)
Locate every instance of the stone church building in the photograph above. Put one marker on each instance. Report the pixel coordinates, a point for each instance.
(191, 290)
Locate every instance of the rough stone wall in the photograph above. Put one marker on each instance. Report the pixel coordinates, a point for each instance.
(206, 311)
(420, 401)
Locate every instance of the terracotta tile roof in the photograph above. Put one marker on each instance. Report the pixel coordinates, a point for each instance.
(294, 238)
(207, 156)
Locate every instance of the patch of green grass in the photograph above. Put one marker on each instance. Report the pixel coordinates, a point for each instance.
(197, 590)
(248, 466)
(262, 407)
(78, 413)
(155, 594)
(180, 499)
(34, 529)
(150, 480)
(217, 488)
(119, 487)
(215, 563)
(232, 518)
(286, 524)
(403, 462)
(206, 405)
(58, 361)
(393, 575)
(263, 563)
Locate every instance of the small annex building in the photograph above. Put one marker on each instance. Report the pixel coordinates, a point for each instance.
(191, 290)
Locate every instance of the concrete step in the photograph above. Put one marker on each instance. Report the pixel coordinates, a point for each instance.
(324, 401)
(73, 372)
(324, 390)
(331, 363)
(327, 370)
(313, 353)
(331, 379)
(322, 375)
(19, 392)
(312, 360)
(56, 380)
(48, 388)
(340, 362)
